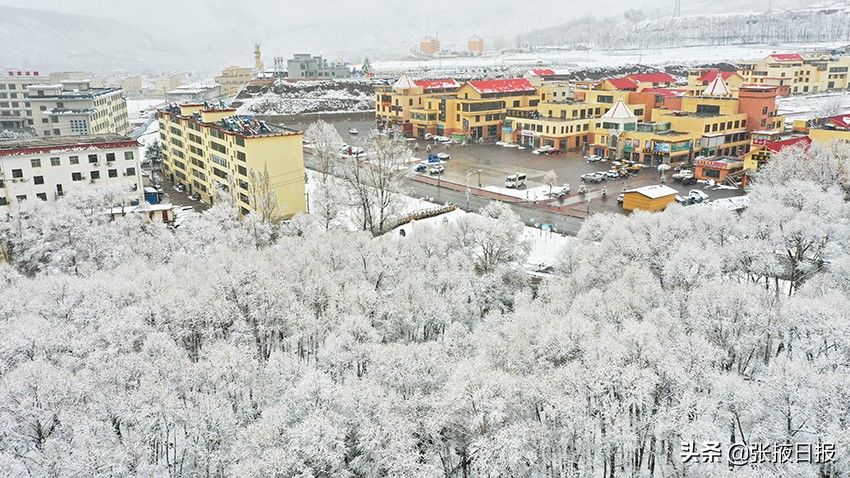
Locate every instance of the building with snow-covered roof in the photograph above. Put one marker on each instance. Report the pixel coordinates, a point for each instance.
(74, 108)
(649, 198)
(795, 73)
(763, 144)
(208, 148)
(44, 169)
(304, 66)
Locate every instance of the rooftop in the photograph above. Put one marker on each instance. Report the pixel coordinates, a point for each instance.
(659, 77)
(655, 191)
(510, 85)
(64, 143)
(449, 83)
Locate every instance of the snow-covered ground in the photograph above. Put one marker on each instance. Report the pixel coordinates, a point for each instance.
(531, 194)
(810, 106)
(579, 60)
(137, 109)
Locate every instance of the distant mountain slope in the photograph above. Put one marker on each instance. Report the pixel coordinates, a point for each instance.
(641, 29)
(56, 41)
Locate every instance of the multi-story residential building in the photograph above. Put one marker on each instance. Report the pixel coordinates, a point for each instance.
(15, 109)
(131, 85)
(429, 46)
(233, 78)
(303, 66)
(208, 148)
(73, 108)
(46, 168)
(475, 45)
(796, 73)
(169, 81)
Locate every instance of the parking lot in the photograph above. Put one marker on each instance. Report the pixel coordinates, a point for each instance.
(497, 162)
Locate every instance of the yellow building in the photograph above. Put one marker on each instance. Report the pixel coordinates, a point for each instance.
(649, 198)
(208, 148)
(763, 144)
(561, 124)
(393, 105)
(798, 74)
(233, 78)
(700, 78)
(827, 130)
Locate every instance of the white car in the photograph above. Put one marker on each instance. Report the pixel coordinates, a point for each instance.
(428, 136)
(437, 169)
(697, 196)
(353, 131)
(593, 158)
(543, 149)
(443, 156)
(441, 139)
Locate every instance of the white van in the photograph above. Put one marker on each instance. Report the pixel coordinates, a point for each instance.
(515, 181)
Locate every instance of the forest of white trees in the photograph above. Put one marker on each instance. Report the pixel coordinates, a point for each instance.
(242, 348)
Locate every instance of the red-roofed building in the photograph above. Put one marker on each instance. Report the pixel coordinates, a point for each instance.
(700, 78)
(793, 57)
(652, 80)
(438, 86)
(619, 84)
(501, 87)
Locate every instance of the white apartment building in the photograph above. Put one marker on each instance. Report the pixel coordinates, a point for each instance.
(46, 168)
(15, 110)
(74, 108)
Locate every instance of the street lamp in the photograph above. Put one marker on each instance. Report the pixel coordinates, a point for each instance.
(477, 171)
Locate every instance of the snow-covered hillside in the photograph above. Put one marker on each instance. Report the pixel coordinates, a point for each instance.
(309, 97)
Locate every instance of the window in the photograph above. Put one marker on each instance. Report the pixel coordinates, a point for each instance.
(240, 156)
(55, 162)
(110, 157)
(74, 159)
(42, 196)
(128, 155)
(17, 173)
(92, 158)
(764, 110)
(113, 173)
(21, 198)
(240, 141)
(77, 176)
(3, 201)
(35, 162)
(94, 175)
(38, 179)
(131, 171)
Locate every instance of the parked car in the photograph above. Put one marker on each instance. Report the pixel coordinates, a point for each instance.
(633, 169)
(601, 175)
(441, 139)
(689, 181)
(590, 178)
(697, 196)
(437, 169)
(682, 174)
(421, 168)
(433, 158)
(443, 156)
(620, 198)
(565, 189)
(543, 149)
(593, 158)
(428, 136)
(353, 131)
(613, 174)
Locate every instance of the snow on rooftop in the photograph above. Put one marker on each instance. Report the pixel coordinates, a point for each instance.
(717, 87)
(619, 111)
(654, 191)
